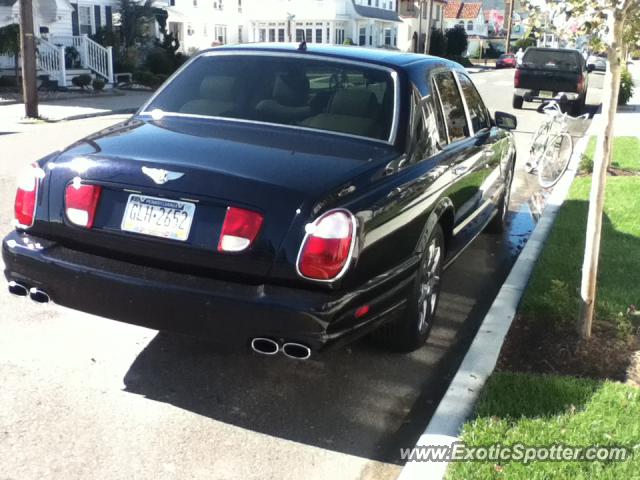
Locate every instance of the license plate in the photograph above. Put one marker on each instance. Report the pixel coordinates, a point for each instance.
(545, 94)
(158, 217)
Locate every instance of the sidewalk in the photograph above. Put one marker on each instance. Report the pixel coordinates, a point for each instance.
(10, 115)
(627, 117)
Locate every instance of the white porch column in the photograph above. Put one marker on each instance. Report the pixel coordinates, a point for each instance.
(356, 33)
(62, 81)
(85, 52)
(110, 78)
(332, 33)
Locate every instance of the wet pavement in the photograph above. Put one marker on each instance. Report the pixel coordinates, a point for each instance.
(84, 396)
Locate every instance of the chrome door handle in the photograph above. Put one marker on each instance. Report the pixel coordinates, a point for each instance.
(460, 170)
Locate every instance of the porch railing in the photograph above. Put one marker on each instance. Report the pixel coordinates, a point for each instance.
(51, 60)
(92, 54)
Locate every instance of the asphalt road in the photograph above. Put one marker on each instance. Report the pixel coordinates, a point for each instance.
(84, 397)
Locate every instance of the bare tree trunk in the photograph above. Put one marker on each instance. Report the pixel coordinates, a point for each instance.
(602, 159)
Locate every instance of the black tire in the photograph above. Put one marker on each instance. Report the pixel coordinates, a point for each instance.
(498, 222)
(577, 107)
(517, 102)
(410, 331)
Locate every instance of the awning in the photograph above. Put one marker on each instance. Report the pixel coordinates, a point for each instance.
(377, 13)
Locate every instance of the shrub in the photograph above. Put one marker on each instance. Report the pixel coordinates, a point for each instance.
(7, 82)
(158, 61)
(438, 44)
(143, 77)
(525, 42)
(159, 79)
(82, 81)
(626, 87)
(71, 57)
(98, 84)
(348, 41)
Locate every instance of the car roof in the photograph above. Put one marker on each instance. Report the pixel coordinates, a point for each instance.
(547, 49)
(381, 56)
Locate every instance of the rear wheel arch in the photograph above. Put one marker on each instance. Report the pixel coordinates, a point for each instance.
(443, 215)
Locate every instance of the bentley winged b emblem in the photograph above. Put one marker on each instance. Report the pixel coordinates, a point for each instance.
(161, 176)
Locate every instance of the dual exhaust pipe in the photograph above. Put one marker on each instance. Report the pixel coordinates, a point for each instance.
(268, 346)
(35, 294)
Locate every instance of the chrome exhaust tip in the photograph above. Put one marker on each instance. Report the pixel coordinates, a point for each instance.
(38, 296)
(18, 289)
(265, 346)
(296, 351)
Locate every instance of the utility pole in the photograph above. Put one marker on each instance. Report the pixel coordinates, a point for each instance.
(427, 38)
(28, 48)
(509, 15)
(420, 10)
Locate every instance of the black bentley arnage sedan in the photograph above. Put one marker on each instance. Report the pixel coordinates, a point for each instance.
(278, 196)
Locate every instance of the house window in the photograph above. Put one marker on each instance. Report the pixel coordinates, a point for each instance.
(172, 3)
(387, 36)
(363, 36)
(195, 3)
(262, 35)
(281, 35)
(221, 34)
(340, 36)
(299, 35)
(239, 6)
(318, 35)
(85, 19)
(469, 26)
(272, 34)
(240, 34)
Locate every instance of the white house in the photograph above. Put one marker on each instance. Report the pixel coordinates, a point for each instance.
(200, 24)
(59, 24)
(412, 30)
(363, 22)
(468, 15)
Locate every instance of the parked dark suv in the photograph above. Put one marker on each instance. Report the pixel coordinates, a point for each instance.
(548, 73)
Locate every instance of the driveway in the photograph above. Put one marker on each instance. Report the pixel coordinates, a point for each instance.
(84, 397)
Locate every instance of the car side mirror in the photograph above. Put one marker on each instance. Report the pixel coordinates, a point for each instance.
(506, 121)
(591, 67)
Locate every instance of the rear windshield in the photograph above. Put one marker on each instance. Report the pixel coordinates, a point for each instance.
(305, 92)
(552, 60)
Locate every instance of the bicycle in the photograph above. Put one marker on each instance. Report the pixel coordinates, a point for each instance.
(552, 146)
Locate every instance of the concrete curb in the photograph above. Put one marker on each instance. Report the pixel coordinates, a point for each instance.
(457, 404)
(70, 98)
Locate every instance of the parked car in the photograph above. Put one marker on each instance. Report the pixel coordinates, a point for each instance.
(286, 199)
(599, 62)
(548, 73)
(506, 60)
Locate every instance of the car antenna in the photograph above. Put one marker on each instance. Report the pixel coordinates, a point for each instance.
(303, 44)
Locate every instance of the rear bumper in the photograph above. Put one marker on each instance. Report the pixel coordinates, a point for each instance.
(210, 308)
(532, 95)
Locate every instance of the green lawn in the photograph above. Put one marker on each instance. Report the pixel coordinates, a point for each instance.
(626, 153)
(538, 410)
(553, 292)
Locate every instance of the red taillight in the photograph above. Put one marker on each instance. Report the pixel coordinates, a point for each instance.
(81, 203)
(580, 84)
(26, 196)
(516, 78)
(239, 230)
(327, 248)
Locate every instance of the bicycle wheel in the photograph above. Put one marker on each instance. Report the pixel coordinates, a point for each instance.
(555, 160)
(537, 147)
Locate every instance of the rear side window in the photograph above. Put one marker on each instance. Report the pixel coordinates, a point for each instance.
(452, 107)
(477, 110)
(289, 90)
(552, 60)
